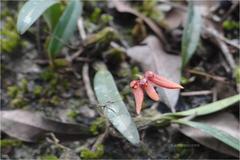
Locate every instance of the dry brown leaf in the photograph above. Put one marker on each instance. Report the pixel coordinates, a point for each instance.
(223, 121)
(121, 6)
(152, 57)
(30, 127)
(174, 18)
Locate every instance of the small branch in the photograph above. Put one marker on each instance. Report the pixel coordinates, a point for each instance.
(220, 41)
(88, 87)
(102, 137)
(53, 140)
(76, 54)
(196, 93)
(233, 7)
(217, 78)
(81, 28)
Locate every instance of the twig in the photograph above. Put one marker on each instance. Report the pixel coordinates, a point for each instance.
(230, 11)
(217, 78)
(81, 28)
(215, 37)
(83, 59)
(88, 87)
(225, 65)
(227, 54)
(76, 54)
(102, 137)
(53, 139)
(155, 105)
(214, 95)
(212, 32)
(196, 93)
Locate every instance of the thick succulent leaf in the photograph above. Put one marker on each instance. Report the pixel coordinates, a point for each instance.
(191, 33)
(30, 127)
(222, 136)
(66, 26)
(31, 11)
(52, 15)
(210, 108)
(114, 108)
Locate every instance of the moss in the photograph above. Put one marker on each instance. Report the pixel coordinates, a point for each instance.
(55, 100)
(106, 18)
(139, 31)
(48, 75)
(135, 72)
(114, 55)
(43, 101)
(18, 102)
(149, 9)
(184, 80)
(230, 25)
(24, 85)
(95, 15)
(181, 151)
(60, 63)
(72, 114)
(49, 157)
(104, 36)
(12, 91)
(10, 39)
(37, 91)
(88, 154)
(97, 126)
(237, 74)
(4, 143)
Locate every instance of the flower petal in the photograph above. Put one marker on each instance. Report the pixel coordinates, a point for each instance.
(161, 81)
(151, 92)
(138, 95)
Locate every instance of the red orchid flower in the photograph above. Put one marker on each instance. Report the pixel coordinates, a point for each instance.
(147, 84)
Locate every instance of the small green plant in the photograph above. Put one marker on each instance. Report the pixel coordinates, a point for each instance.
(10, 39)
(97, 154)
(4, 143)
(98, 125)
(62, 26)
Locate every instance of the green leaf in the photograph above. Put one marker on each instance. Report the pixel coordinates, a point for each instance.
(114, 108)
(210, 108)
(52, 15)
(65, 27)
(218, 134)
(31, 11)
(191, 33)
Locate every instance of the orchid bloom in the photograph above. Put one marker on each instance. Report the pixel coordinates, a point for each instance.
(147, 84)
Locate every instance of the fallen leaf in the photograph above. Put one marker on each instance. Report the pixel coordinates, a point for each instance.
(174, 18)
(152, 57)
(30, 127)
(222, 121)
(121, 6)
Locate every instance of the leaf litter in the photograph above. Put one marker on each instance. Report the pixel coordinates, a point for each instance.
(150, 55)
